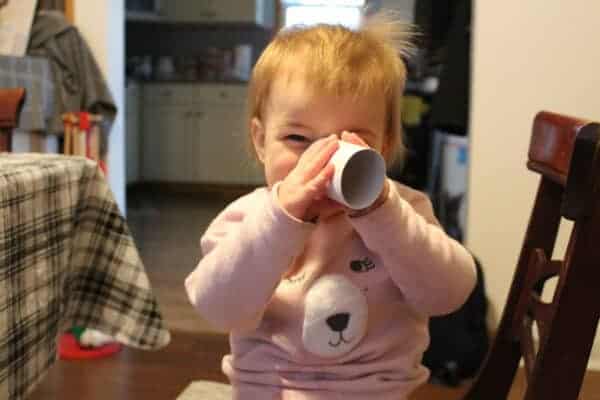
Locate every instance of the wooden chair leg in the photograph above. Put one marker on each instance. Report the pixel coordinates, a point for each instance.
(580, 293)
(504, 355)
(500, 367)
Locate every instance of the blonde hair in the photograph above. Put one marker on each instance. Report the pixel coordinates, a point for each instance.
(340, 61)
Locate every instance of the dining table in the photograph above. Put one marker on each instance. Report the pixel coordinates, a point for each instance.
(67, 258)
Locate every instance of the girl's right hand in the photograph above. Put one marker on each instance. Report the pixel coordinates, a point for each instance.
(303, 192)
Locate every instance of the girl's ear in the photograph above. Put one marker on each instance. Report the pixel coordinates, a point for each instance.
(257, 131)
(387, 148)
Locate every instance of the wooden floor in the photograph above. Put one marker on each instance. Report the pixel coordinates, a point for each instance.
(167, 229)
(161, 375)
(136, 374)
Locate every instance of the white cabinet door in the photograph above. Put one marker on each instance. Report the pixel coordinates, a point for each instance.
(150, 140)
(202, 149)
(164, 143)
(221, 150)
(176, 146)
(197, 134)
(241, 165)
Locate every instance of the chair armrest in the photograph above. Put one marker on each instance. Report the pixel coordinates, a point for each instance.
(11, 101)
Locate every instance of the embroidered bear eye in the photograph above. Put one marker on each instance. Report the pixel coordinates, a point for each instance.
(364, 265)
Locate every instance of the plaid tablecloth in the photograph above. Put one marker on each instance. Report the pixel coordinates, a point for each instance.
(66, 258)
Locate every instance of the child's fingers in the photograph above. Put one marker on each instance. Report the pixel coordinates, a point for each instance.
(318, 185)
(313, 150)
(326, 205)
(300, 173)
(312, 153)
(353, 138)
(318, 162)
(307, 158)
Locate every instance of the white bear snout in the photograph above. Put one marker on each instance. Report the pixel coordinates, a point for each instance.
(335, 316)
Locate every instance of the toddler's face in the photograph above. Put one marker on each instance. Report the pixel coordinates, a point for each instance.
(296, 116)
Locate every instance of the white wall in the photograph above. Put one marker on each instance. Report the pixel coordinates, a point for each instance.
(102, 24)
(527, 56)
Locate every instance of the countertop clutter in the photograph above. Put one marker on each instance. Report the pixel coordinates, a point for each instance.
(207, 64)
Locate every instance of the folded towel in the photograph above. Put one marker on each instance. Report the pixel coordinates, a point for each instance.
(206, 390)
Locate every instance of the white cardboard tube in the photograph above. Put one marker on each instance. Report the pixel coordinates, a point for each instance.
(359, 176)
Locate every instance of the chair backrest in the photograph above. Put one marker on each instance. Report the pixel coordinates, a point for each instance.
(565, 152)
(11, 101)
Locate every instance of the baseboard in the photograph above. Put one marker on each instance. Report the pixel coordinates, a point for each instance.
(593, 365)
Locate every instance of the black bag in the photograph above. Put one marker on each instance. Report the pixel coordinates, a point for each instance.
(459, 341)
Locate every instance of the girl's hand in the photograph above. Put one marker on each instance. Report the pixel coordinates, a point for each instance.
(303, 192)
(353, 138)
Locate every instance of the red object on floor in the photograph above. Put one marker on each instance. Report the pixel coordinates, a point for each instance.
(69, 349)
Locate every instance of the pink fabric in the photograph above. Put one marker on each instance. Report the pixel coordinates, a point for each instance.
(406, 267)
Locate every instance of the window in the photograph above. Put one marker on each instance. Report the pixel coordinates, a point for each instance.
(309, 12)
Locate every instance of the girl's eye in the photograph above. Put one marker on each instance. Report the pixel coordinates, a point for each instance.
(297, 138)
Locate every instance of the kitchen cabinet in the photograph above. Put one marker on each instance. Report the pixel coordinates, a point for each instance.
(219, 143)
(196, 134)
(163, 133)
(132, 132)
(259, 12)
(164, 144)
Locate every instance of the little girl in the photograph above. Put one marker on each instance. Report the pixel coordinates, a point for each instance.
(323, 302)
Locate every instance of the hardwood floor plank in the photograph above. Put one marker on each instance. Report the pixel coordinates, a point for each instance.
(136, 374)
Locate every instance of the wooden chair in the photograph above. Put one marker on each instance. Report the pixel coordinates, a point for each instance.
(565, 152)
(11, 102)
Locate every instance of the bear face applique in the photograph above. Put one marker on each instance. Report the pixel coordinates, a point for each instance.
(335, 316)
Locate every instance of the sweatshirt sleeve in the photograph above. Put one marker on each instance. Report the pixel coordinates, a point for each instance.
(435, 273)
(246, 250)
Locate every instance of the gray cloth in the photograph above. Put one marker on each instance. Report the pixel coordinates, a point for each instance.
(33, 74)
(78, 79)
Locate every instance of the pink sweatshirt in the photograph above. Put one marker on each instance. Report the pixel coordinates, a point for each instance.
(334, 310)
